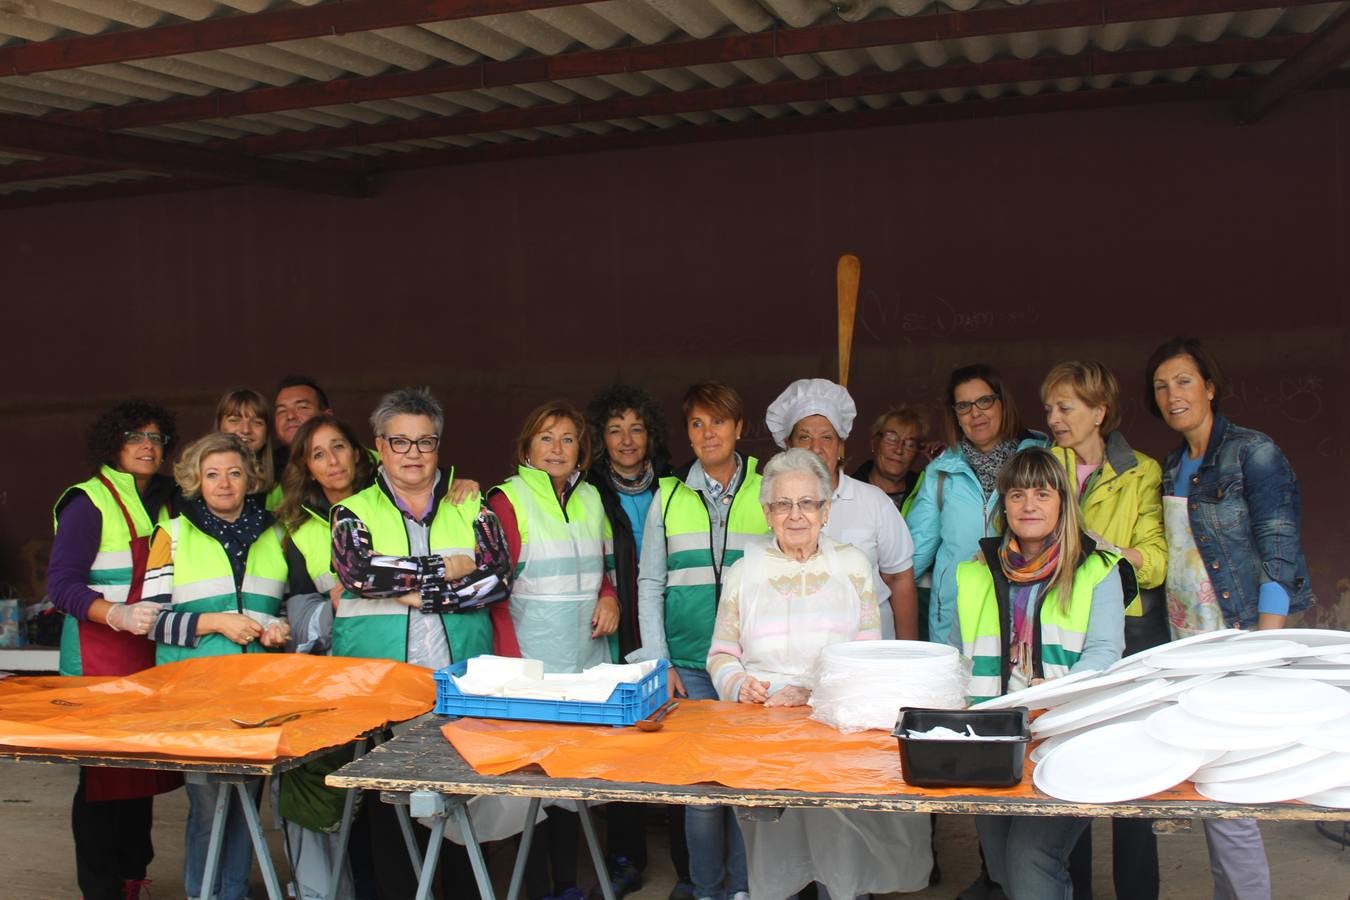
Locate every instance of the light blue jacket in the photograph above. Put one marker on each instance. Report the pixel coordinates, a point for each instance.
(950, 535)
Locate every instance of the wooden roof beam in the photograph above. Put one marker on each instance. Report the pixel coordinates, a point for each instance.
(25, 134)
(671, 54)
(1327, 50)
(221, 33)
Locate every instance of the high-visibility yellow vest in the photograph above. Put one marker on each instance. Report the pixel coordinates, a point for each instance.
(559, 572)
(378, 629)
(314, 540)
(203, 582)
(692, 579)
(984, 636)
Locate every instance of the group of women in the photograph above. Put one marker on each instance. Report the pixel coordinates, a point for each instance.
(1035, 554)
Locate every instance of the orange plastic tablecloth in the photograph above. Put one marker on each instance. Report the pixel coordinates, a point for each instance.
(184, 709)
(738, 745)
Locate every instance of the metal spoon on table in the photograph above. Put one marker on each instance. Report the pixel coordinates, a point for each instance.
(653, 722)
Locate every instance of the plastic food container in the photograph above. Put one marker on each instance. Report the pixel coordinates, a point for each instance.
(626, 705)
(963, 763)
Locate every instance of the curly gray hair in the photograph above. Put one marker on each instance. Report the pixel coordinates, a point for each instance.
(794, 460)
(407, 402)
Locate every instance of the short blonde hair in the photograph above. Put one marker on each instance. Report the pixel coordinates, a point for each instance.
(188, 470)
(1093, 383)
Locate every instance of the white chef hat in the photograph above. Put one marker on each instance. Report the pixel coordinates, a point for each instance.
(810, 397)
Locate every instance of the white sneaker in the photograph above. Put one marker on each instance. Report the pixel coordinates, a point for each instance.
(741, 895)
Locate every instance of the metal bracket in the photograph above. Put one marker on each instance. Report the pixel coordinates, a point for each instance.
(427, 805)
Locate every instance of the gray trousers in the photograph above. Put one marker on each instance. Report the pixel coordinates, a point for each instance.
(1237, 859)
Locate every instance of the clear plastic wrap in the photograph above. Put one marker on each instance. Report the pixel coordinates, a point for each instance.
(862, 685)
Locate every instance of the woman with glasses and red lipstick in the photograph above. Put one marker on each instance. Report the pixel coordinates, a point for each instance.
(96, 576)
(897, 437)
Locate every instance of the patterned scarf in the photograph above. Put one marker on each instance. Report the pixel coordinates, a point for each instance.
(988, 465)
(1024, 573)
(632, 486)
(236, 537)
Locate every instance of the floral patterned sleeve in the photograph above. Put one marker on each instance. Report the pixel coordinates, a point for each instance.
(369, 574)
(490, 582)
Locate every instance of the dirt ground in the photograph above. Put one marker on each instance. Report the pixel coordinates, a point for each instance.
(36, 859)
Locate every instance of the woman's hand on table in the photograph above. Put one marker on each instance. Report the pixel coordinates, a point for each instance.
(753, 691)
(237, 627)
(792, 695)
(606, 616)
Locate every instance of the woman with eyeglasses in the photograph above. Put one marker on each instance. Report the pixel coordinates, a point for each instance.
(817, 415)
(958, 498)
(563, 606)
(782, 604)
(96, 576)
(897, 436)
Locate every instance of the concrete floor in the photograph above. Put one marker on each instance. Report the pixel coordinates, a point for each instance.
(36, 858)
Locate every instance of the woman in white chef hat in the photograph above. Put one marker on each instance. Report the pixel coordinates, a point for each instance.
(817, 415)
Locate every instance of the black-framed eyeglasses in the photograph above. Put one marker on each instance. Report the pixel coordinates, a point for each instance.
(140, 437)
(401, 445)
(892, 438)
(964, 406)
(807, 505)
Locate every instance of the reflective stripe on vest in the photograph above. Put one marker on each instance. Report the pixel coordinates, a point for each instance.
(559, 572)
(314, 540)
(378, 629)
(691, 577)
(1062, 633)
(203, 582)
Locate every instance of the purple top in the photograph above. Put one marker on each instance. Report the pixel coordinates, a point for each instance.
(79, 528)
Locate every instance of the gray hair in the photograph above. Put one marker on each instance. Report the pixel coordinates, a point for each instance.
(794, 460)
(407, 402)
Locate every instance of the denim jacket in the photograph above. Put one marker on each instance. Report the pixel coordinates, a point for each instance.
(1244, 511)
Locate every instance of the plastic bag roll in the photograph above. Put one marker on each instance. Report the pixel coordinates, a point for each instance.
(863, 684)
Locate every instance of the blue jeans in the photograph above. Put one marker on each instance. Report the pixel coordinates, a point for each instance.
(712, 831)
(1029, 855)
(236, 851)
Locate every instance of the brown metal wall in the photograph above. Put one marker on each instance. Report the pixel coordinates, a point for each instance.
(1020, 241)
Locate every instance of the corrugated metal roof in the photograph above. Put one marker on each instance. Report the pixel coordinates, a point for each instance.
(550, 32)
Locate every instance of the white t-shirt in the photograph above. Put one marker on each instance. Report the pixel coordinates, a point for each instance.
(862, 515)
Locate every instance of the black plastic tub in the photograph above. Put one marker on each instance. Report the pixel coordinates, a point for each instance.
(964, 763)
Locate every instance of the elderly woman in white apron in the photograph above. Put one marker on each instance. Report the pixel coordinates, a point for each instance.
(563, 607)
(783, 603)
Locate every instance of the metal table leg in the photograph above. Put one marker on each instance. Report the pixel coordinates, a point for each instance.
(409, 839)
(260, 849)
(523, 851)
(344, 833)
(597, 856)
(217, 838)
(480, 869)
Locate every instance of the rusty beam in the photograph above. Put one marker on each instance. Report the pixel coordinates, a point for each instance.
(221, 33)
(1328, 49)
(25, 134)
(671, 54)
(1050, 67)
(1008, 71)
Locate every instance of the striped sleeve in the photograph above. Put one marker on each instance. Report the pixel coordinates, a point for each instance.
(724, 654)
(177, 628)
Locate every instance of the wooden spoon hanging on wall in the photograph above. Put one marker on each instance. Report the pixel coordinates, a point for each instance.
(846, 276)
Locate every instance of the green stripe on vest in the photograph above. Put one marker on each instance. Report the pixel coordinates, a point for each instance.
(203, 582)
(378, 629)
(691, 588)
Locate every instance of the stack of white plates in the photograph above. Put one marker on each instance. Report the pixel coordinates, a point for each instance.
(1251, 717)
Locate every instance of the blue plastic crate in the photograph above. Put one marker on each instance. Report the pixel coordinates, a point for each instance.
(628, 703)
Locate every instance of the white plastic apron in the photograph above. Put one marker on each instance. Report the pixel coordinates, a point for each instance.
(553, 597)
(783, 630)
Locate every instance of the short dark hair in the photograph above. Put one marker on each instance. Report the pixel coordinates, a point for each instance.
(541, 415)
(617, 399)
(303, 381)
(1209, 367)
(717, 397)
(1009, 427)
(107, 433)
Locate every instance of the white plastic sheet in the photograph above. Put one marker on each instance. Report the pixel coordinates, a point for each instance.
(863, 684)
